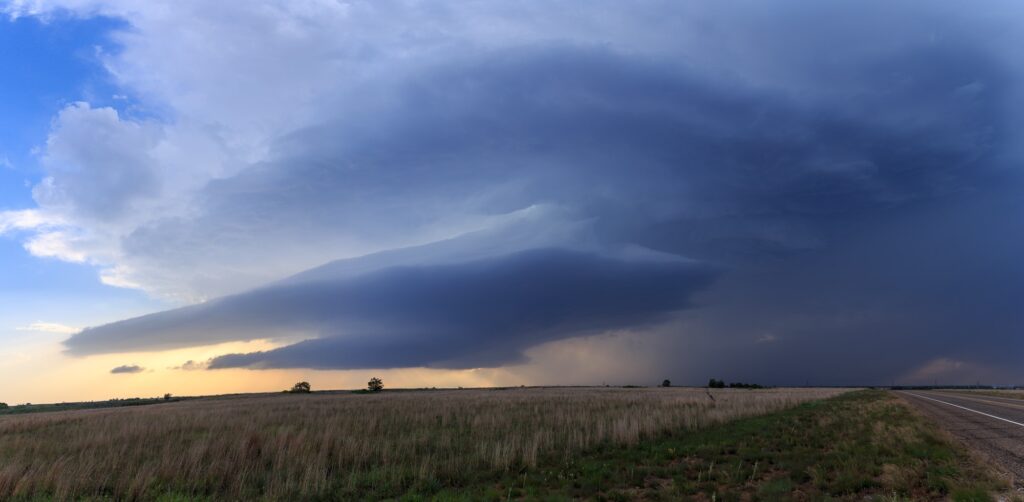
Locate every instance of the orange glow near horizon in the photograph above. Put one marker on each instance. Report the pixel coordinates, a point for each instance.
(68, 378)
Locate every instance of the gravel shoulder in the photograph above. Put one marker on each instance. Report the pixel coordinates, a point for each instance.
(973, 420)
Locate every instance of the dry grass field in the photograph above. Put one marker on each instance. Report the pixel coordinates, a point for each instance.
(1007, 393)
(355, 445)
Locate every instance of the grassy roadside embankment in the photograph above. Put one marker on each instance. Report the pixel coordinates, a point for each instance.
(864, 445)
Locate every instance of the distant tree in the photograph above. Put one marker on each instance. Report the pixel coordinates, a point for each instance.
(375, 385)
(3, 406)
(716, 384)
(301, 388)
(666, 383)
(167, 397)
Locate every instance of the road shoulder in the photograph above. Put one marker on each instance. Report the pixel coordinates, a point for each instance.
(973, 432)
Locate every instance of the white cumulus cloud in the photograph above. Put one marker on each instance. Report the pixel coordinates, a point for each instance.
(49, 327)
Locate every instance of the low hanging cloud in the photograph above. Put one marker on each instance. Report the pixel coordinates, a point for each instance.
(471, 314)
(191, 365)
(127, 369)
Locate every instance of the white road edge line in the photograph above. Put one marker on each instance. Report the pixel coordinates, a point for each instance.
(966, 408)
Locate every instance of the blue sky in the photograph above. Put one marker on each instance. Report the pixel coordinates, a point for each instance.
(53, 63)
(509, 193)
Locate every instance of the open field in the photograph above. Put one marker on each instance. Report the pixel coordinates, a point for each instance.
(551, 444)
(1004, 393)
(373, 445)
(23, 409)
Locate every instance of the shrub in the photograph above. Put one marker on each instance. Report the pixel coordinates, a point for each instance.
(375, 385)
(666, 383)
(301, 388)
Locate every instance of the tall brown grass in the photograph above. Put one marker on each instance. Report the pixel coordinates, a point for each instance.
(299, 446)
(1006, 393)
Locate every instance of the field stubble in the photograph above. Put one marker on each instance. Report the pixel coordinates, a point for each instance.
(1005, 393)
(373, 445)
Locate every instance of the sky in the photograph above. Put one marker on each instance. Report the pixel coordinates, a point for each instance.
(204, 198)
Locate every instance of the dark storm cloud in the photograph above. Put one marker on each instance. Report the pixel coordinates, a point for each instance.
(940, 281)
(477, 313)
(127, 369)
(659, 152)
(859, 187)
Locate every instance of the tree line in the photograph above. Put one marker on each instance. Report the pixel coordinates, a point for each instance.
(720, 384)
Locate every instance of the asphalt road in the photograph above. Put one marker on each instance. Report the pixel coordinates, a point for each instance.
(993, 426)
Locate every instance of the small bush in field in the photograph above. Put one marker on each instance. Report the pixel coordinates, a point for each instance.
(375, 385)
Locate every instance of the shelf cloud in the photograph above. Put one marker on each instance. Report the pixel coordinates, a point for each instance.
(473, 314)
